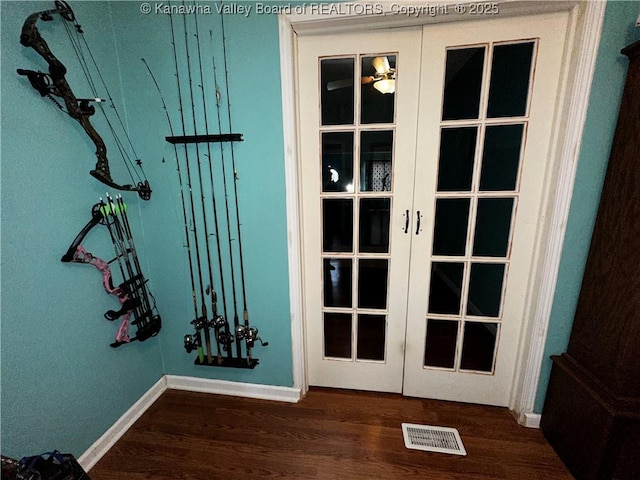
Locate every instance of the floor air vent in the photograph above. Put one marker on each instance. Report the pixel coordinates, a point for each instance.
(432, 439)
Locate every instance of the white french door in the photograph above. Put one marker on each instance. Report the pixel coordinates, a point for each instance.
(356, 151)
(423, 157)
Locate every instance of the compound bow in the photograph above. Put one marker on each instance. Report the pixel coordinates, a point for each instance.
(132, 293)
(80, 109)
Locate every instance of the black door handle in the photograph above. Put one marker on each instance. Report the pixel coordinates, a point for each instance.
(406, 221)
(418, 223)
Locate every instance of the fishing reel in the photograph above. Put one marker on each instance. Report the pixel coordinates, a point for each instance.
(220, 326)
(218, 322)
(250, 335)
(191, 343)
(225, 339)
(199, 323)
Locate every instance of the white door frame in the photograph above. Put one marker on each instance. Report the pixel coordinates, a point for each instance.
(582, 46)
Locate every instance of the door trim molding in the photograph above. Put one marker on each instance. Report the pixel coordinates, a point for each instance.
(294, 242)
(531, 420)
(585, 47)
(581, 52)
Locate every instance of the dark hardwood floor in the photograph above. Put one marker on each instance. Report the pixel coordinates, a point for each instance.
(330, 434)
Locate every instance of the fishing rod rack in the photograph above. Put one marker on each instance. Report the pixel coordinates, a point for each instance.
(217, 324)
(199, 176)
(211, 138)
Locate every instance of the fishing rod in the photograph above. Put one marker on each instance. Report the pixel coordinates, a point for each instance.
(207, 335)
(224, 336)
(245, 331)
(190, 342)
(236, 319)
(220, 323)
(200, 321)
(217, 322)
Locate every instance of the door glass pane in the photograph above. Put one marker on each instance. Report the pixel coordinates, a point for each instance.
(372, 283)
(457, 154)
(440, 348)
(376, 153)
(371, 337)
(510, 73)
(337, 224)
(377, 87)
(374, 225)
(501, 157)
(337, 282)
(485, 289)
(493, 227)
(446, 285)
(337, 335)
(450, 230)
(478, 346)
(337, 91)
(337, 162)
(463, 83)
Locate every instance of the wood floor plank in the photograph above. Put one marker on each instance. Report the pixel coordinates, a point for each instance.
(330, 434)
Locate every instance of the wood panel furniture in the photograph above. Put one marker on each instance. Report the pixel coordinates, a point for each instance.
(592, 410)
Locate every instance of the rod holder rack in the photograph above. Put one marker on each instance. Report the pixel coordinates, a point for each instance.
(233, 362)
(217, 138)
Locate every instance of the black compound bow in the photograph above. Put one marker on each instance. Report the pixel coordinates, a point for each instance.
(55, 84)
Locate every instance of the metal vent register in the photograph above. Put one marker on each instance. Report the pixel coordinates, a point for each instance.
(432, 439)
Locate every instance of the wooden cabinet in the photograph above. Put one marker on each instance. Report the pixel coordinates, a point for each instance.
(592, 410)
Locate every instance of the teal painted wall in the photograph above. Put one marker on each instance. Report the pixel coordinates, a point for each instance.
(606, 90)
(62, 386)
(254, 79)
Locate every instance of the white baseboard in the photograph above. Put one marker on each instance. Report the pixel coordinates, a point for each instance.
(219, 387)
(224, 387)
(531, 420)
(101, 446)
